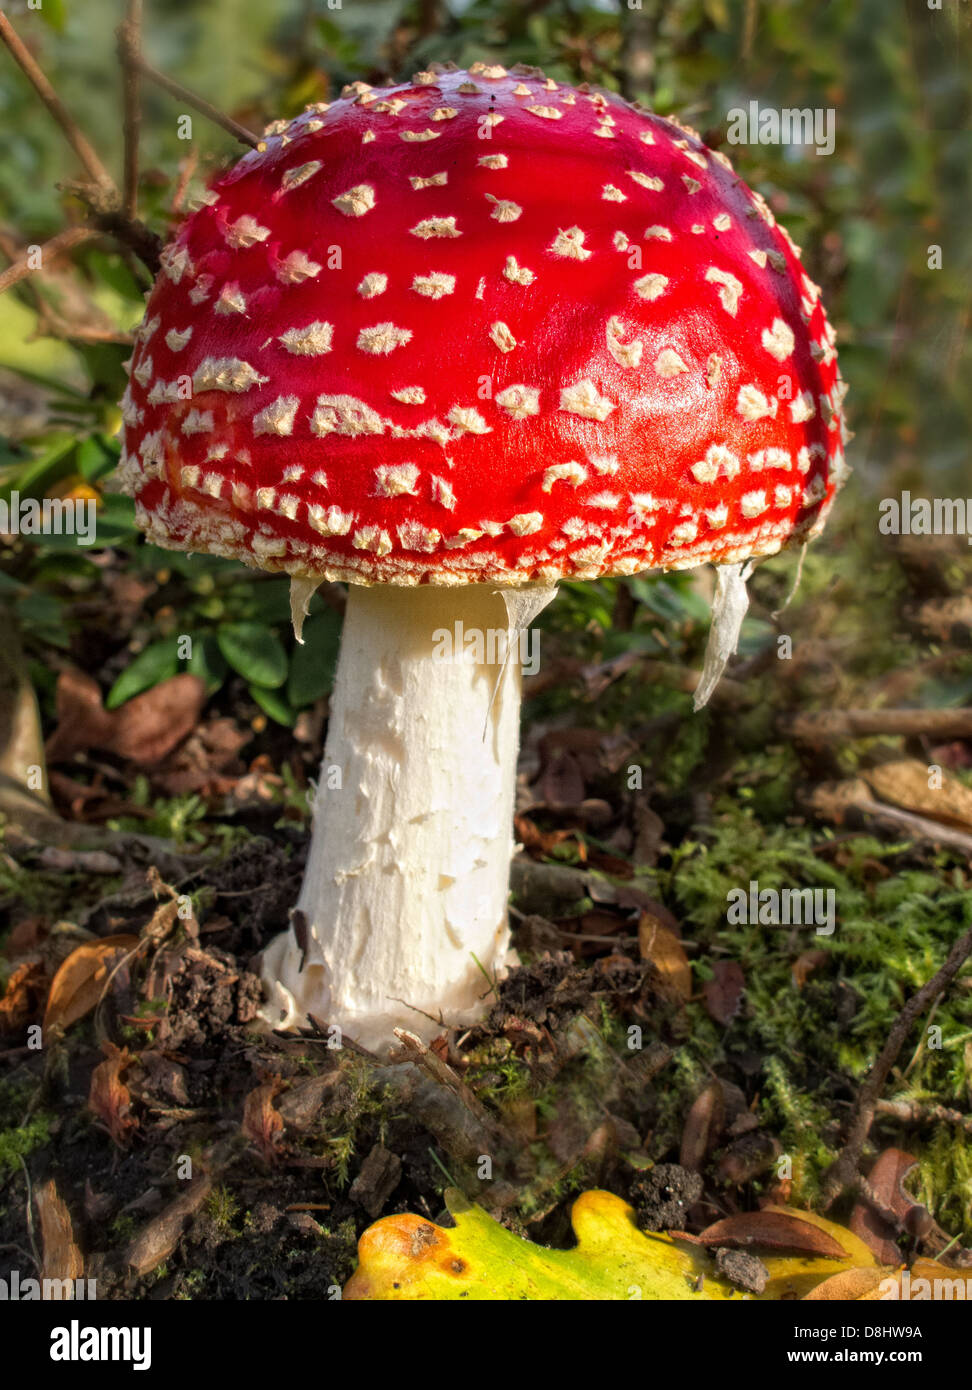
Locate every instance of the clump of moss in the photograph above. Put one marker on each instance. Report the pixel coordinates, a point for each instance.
(894, 928)
(222, 1209)
(944, 1179)
(20, 1136)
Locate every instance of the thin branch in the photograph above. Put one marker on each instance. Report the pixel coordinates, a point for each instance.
(843, 1172)
(79, 143)
(914, 1112)
(187, 167)
(64, 241)
(50, 323)
(129, 51)
(868, 723)
(146, 244)
(132, 233)
(200, 104)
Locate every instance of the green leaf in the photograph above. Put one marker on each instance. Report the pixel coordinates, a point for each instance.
(207, 663)
(52, 13)
(312, 665)
(35, 476)
(156, 663)
(264, 601)
(273, 705)
(42, 617)
(95, 458)
(670, 599)
(116, 521)
(255, 653)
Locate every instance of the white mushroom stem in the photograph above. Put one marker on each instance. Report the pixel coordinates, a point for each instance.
(405, 892)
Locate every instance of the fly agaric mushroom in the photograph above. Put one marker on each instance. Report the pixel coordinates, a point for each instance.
(451, 342)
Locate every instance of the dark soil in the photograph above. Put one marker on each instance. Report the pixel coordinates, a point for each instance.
(229, 1163)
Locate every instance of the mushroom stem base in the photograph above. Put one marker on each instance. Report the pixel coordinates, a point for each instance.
(403, 906)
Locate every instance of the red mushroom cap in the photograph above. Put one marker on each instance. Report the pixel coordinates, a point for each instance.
(482, 327)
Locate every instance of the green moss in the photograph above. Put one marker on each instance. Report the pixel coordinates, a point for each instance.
(894, 929)
(122, 1229)
(222, 1208)
(944, 1180)
(16, 1144)
(342, 1149)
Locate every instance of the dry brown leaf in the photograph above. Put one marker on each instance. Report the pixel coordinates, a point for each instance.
(561, 784)
(847, 1285)
(833, 801)
(262, 1123)
(922, 1269)
(82, 978)
(659, 945)
(539, 841)
(143, 730)
(109, 1098)
(82, 720)
(905, 783)
(774, 1230)
(724, 991)
(60, 1256)
(23, 997)
(25, 937)
(703, 1125)
(804, 966)
(884, 1179)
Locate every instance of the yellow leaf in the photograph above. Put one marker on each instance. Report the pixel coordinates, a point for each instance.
(408, 1258)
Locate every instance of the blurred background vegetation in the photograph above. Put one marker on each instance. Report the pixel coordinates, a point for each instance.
(895, 71)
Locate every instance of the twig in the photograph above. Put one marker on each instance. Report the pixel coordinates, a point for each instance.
(921, 827)
(129, 50)
(416, 1051)
(844, 1170)
(865, 723)
(200, 104)
(29, 1212)
(912, 1112)
(79, 143)
(11, 1245)
(146, 244)
(100, 195)
(64, 241)
(187, 167)
(51, 324)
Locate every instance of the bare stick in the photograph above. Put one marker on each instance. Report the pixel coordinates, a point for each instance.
(245, 137)
(64, 241)
(865, 723)
(843, 1172)
(96, 170)
(913, 1112)
(132, 233)
(833, 801)
(921, 827)
(129, 51)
